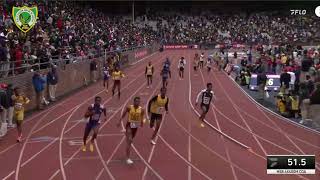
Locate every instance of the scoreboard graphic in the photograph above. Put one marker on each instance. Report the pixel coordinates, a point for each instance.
(273, 82)
(291, 164)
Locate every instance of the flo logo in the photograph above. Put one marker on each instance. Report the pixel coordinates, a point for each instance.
(24, 17)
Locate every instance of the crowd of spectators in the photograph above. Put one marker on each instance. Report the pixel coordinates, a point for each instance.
(215, 28)
(64, 30)
(299, 70)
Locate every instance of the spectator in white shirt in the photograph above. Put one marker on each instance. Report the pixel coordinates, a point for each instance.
(292, 80)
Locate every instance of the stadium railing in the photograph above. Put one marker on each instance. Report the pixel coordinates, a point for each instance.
(30, 65)
(77, 75)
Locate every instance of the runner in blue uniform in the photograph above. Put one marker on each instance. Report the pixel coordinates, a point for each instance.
(165, 74)
(93, 113)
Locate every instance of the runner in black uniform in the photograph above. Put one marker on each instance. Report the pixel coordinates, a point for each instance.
(93, 113)
(205, 97)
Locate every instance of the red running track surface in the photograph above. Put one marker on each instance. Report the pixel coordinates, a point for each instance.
(233, 145)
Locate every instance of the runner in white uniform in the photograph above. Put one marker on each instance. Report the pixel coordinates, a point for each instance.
(209, 62)
(205, 96)
(181, 64)
(201, 60)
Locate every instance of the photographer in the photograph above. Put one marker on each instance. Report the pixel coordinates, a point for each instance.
(281, 105)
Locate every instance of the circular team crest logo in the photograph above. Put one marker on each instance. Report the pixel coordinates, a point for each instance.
(24, 17)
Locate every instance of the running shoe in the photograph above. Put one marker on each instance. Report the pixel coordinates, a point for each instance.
(129, 161)
(153, 142)
(84, 148)
(91, 147)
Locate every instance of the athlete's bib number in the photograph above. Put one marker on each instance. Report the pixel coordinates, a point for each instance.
(270, 82)
(135, 117)
(206, 100)
(18, 106)
(149, 72)
(160, 110)
(134, 124)
(96, 117)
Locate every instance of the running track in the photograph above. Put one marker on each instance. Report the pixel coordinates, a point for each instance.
(233, 145)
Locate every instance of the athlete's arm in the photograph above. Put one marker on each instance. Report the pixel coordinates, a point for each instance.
(113, 75)
(150, 102)
(13, 97)
(105, 112)
(89, 112)
(123, 115)
(166, 105)
(146, 71)
(213, 95)
(152, 70)
(142, 117)
(26, 100)
(198, 97)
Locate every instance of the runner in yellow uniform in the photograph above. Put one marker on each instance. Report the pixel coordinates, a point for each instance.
(117, 75)
(149, 74)
(156, 107)
(135, 120)
(19, 100)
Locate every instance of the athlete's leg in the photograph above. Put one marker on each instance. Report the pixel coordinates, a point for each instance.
(129, 141)
(119, 89)
(94, 137)
(95, 133)
(114, 87)
(85, 136)
(163, 82)
(155, 132)
(152, 119)
(86, 133)
(203, 114)
(19, 129)
(148, 80)
(130, 134)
